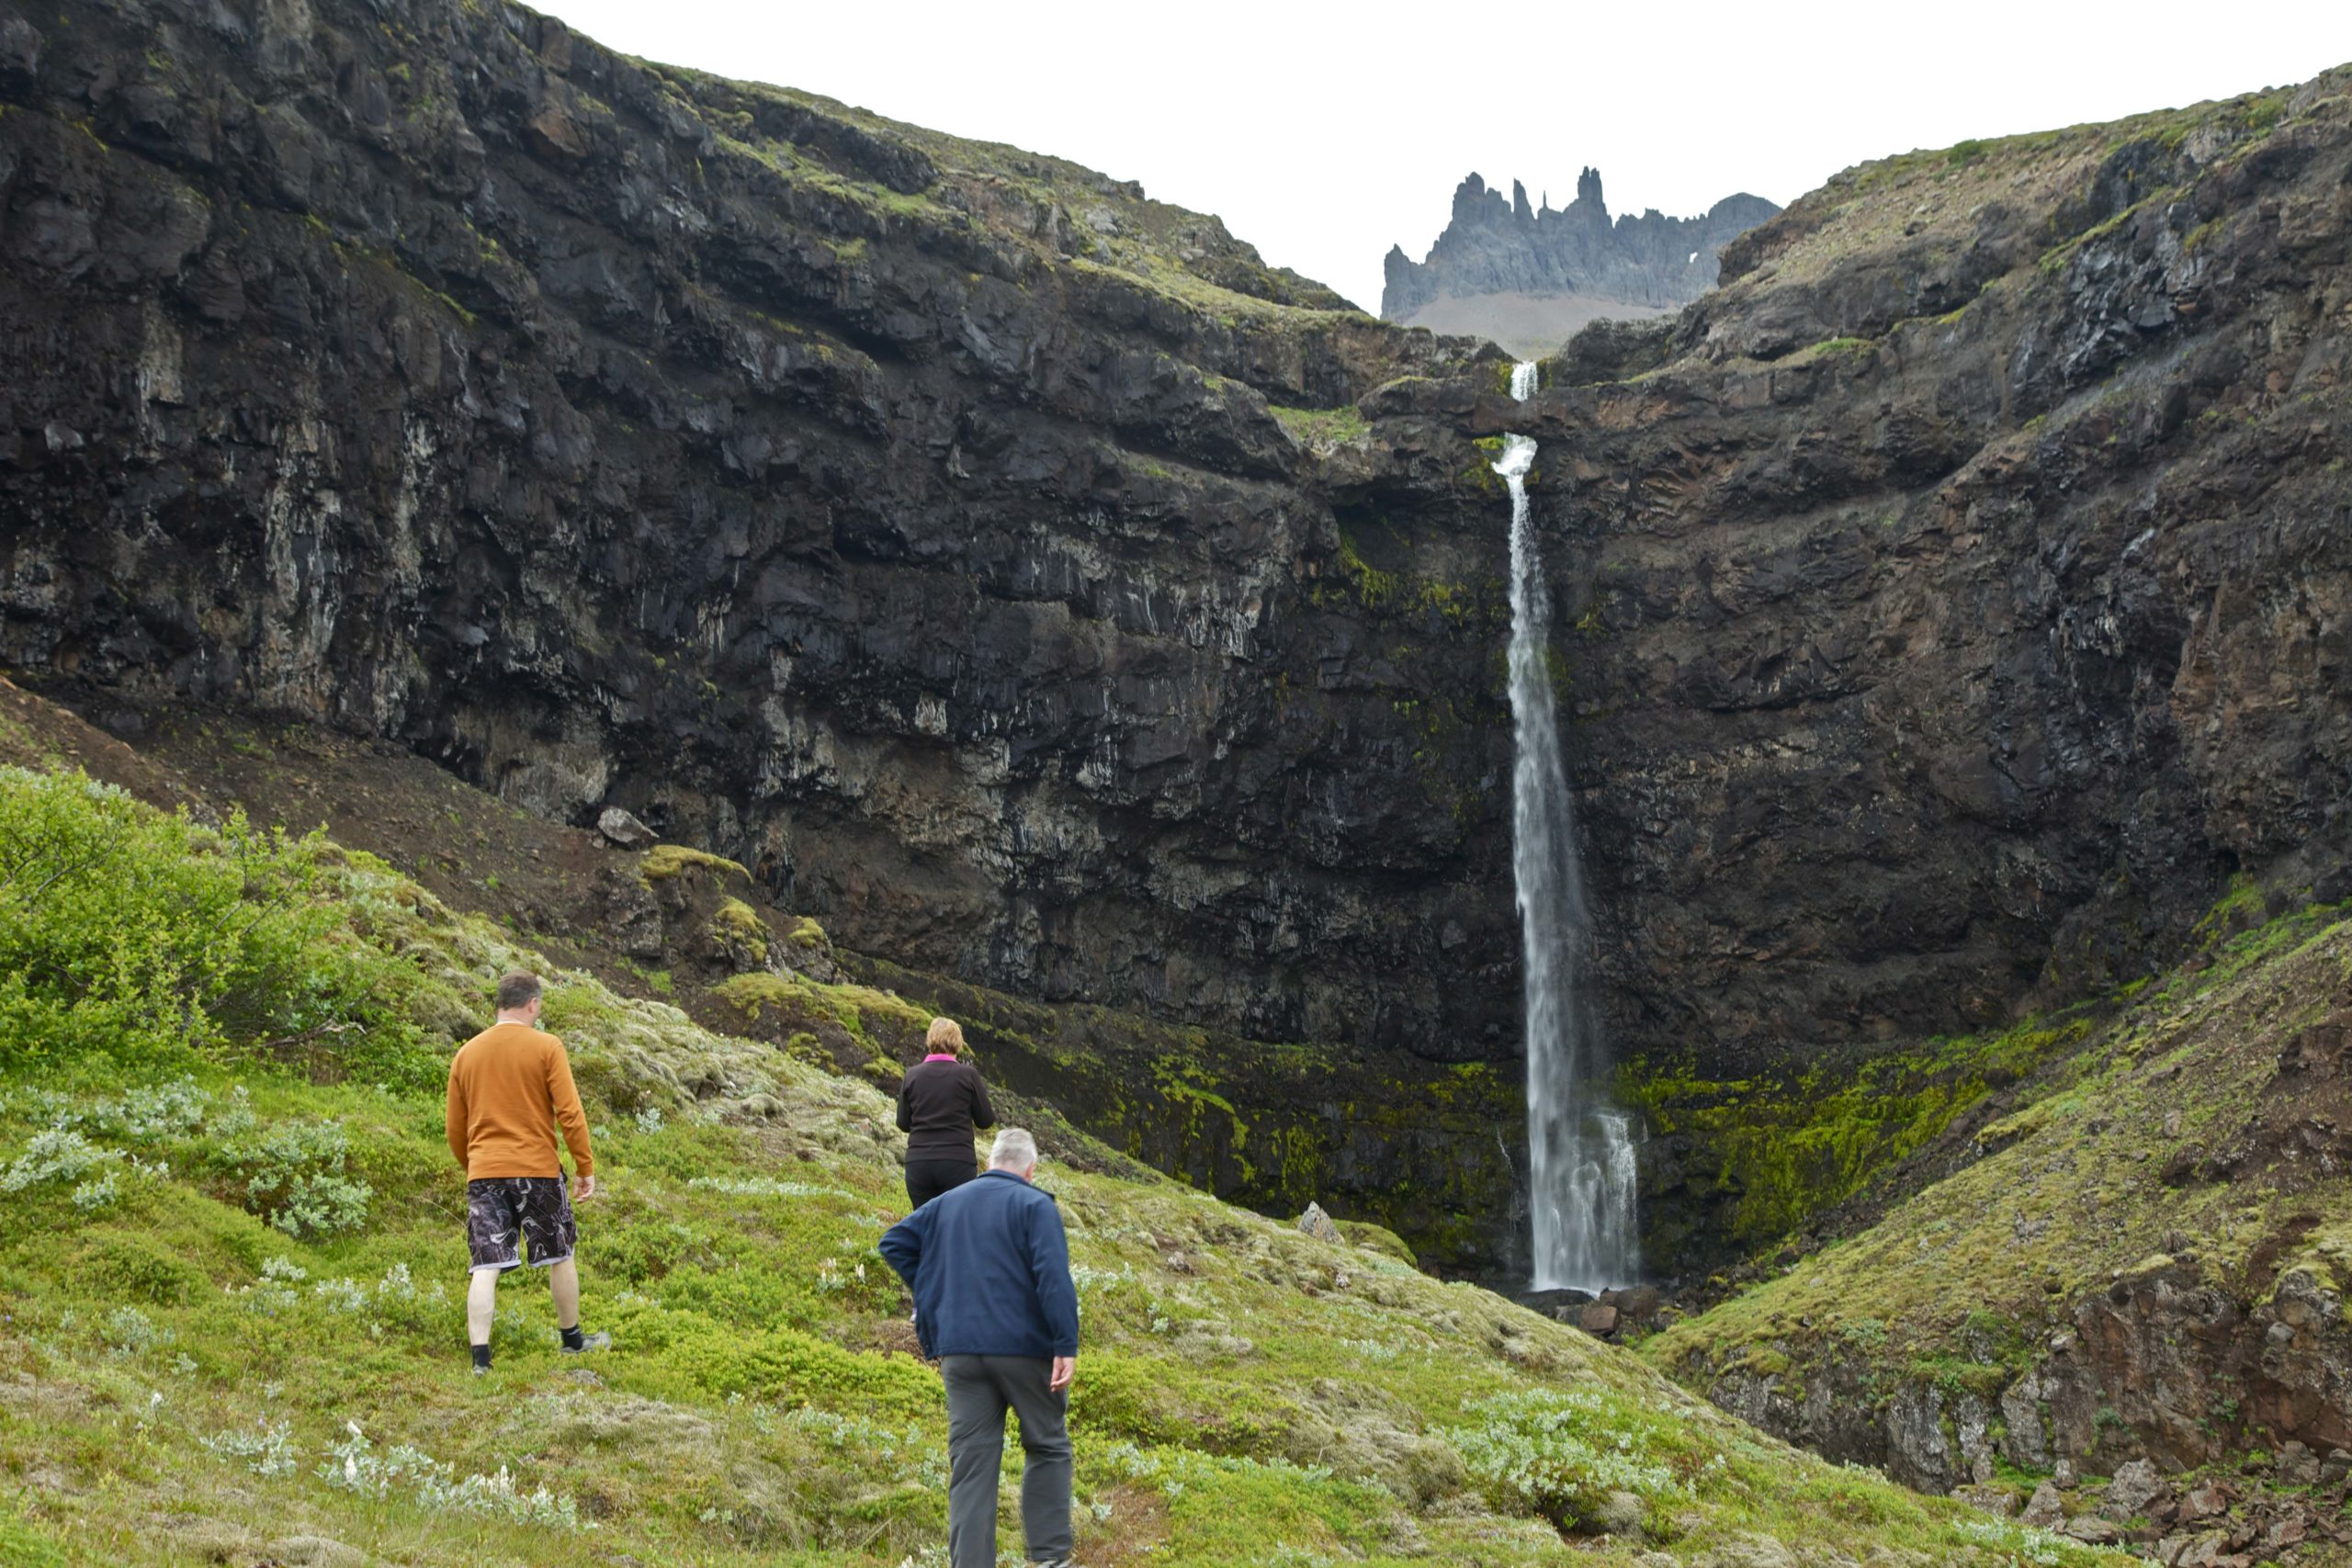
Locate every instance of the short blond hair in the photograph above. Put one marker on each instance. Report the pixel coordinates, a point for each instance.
(946, 1034)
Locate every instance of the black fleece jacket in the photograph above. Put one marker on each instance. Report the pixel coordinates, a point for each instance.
(941, 1103)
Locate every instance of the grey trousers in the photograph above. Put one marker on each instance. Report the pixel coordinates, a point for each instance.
(980, 1389)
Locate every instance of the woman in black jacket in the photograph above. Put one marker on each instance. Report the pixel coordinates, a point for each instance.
(942, 1105)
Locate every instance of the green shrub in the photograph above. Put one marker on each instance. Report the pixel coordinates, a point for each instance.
(133, 1268)
(294, 1177)
(1557, 1454)
(56, 1154)
(145, 938)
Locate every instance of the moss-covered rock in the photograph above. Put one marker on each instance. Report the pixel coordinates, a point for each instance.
(1421, 1148)
(2128, 1253)
(663, 863)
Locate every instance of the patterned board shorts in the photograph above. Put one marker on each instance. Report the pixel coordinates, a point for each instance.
(505, 1211)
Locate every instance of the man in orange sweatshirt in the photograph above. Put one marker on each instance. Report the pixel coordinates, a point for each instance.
(508, 1088)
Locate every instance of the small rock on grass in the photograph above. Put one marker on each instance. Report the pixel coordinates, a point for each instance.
(2135, 1487)
(1319, 1224)
(1997, 1500)
(2044, 1511)
(1620, 1515)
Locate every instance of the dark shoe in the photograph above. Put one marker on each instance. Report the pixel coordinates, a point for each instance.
(600, 1340)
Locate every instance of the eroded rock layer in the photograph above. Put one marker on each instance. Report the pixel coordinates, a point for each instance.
(1962, 592)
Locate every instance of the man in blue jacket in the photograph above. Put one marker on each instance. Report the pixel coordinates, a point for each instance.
(994, 1304)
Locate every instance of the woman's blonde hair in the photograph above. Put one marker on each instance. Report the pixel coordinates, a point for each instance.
(946, 1034)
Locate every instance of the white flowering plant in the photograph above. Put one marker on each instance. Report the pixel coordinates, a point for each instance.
(1560, 1454)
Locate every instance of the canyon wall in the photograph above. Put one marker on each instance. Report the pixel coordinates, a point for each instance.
(902, 515)
(1026, 580)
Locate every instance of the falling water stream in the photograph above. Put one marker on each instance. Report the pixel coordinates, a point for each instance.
(1580, 1151)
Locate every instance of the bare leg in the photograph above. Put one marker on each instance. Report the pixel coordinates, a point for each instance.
(564, 1280)
(481, 1301)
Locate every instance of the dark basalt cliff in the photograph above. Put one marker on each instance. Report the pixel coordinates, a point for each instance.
(902, 515)
(1964, 588)
(1495, 244)
(1029, 582)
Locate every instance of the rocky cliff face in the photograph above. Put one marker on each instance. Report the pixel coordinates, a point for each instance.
(905, 517)
(1963, 588)
(1531, 275)
(1024, 579)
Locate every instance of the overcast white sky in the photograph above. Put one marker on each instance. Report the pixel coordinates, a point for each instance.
(1323, 134)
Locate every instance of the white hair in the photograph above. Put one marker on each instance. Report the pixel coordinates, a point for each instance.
(1015, 1150)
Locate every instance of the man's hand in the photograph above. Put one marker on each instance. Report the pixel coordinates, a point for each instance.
(1065, 1369)
(587, 1186)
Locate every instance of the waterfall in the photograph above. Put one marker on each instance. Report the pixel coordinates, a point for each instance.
(1580, 1186)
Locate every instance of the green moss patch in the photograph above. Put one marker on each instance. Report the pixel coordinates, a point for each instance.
(1791, 1145)
(1323, 428)
(663, 863)
(736, 923)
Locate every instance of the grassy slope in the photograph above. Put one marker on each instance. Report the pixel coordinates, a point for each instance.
(1260, 1124)
(2066, 1192)
(1247, 1394)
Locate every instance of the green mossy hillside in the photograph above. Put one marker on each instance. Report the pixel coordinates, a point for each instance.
(2174, 1136)
(187, 1375)
(1773, 1151)
(1785, 1152)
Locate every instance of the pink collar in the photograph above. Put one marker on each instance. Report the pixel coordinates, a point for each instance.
(940, 1056)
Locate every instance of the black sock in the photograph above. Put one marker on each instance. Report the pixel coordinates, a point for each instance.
(572, 1338)
(482, 1355)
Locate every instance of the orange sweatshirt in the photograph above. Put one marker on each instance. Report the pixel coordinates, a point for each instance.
(508, 1087)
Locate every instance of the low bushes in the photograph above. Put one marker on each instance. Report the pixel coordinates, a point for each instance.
(146, 938)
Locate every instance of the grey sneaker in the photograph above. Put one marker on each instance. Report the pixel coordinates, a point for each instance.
(482, 1372)
(600, 1340)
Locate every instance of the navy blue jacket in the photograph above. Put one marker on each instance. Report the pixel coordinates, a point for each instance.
(989, 1269)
